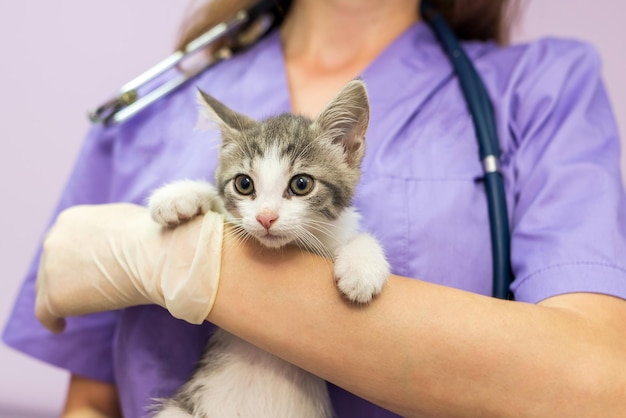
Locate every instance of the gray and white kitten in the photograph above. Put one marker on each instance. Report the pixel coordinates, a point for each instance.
(285, 180)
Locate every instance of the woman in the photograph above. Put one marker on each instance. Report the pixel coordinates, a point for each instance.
(429, 347)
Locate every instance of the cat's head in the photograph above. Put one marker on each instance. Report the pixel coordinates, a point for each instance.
(289, 174)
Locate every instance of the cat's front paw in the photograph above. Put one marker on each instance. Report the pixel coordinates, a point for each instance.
(171, 411)
(361, 268)
(178, 202)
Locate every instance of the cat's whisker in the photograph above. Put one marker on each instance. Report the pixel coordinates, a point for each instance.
(307, 242)
(321, 231)
(235, 243)
(319, 221)
(243, 150)
(305, 149)
(248, 149)
(312, 242)
(239, 233)
(321, 227)
(307, 245)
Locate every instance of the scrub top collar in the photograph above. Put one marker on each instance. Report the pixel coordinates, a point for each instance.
(407, 64)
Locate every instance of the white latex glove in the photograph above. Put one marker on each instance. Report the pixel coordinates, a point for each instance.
(107, 257)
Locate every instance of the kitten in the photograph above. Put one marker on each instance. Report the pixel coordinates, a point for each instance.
(285, 180)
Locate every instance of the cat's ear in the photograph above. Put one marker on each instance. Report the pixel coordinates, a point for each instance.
(227, 119)
(344, 120)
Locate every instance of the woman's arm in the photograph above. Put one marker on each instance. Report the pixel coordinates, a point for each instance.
(421, 349)
(418, 349)
(88, 398)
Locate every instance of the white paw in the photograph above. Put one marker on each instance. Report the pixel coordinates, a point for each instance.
(178, 202)
(171, 411)
(361, 268)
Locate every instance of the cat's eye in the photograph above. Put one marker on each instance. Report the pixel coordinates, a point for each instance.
(300, 185)
(244, 184)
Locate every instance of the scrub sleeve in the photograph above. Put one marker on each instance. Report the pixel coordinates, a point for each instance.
(85, 348)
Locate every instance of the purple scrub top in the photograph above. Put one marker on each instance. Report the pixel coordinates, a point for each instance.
(421, 193)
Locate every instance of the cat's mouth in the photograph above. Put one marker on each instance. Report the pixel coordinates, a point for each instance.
(273, 237)
(273, 240)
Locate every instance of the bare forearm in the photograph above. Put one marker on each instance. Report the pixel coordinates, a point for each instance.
(88, 398)
(421, 349)
(84, 412)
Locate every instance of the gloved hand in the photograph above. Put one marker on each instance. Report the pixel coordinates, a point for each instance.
(107, 257)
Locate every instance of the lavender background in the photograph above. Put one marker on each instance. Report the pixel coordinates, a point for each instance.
(61, 58)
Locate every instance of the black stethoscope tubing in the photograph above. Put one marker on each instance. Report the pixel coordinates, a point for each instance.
(480, 108)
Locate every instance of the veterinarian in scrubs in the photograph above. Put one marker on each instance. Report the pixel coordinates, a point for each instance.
(433, 343)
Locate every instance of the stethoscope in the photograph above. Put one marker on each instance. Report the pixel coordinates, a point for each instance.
(250, 25)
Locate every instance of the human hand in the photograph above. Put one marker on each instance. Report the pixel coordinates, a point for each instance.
(107, 257)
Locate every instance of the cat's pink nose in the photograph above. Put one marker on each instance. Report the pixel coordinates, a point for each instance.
(267, 218)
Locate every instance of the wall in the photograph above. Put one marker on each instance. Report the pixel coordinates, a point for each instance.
(61, 58)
